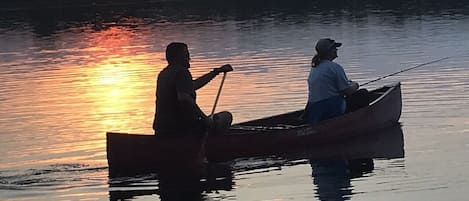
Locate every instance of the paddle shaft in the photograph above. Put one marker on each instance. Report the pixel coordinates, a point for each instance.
(205, 136)
(404, 70)
(218, 95)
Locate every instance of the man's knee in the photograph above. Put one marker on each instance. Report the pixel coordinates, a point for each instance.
(223, 117)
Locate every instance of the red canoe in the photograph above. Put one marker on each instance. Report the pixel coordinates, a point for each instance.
(278, 134)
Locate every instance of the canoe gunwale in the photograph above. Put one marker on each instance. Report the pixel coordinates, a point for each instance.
(365, 110)
(391, 88)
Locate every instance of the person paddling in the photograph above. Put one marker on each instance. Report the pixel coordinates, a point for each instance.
(177, 112)
(327, 84)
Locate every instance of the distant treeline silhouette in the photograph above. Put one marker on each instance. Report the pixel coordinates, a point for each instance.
(330, 4)
(48, 16)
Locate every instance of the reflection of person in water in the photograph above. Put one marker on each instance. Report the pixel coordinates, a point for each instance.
(180, 187)
(186, 186)
(332, 177)
(176, 183)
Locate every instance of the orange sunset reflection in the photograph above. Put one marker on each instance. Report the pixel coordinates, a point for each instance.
(121, 84)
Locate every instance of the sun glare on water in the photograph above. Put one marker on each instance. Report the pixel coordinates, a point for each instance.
(121, 81)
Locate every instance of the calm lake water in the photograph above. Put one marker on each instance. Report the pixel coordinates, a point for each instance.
(70, 73)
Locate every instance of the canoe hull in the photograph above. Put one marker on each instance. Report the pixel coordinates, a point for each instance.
(147, 153)
(383, 112)
(271, 135)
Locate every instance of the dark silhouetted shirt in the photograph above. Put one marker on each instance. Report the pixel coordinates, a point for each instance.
(172, 115)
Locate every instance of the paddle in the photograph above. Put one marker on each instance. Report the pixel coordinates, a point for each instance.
(204, 139)
(218, 95)
(404, 70)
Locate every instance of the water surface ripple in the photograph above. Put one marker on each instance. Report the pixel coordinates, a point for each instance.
(71, 73)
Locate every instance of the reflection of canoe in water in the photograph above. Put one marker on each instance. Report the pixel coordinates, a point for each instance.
(273, 135)
(216, 177)
(385, 143)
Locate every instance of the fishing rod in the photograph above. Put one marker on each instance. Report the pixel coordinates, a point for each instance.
(404, 70)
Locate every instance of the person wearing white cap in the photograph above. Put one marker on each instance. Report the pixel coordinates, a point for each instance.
(327, 84)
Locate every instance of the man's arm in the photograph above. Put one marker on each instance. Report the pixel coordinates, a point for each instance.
(204, 79)
(351, 89)
(186, 100)
(346, 86)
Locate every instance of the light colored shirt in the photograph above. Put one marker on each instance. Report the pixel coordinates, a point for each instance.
(326, 80)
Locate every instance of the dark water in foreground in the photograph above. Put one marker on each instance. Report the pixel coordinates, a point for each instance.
(71, 74)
